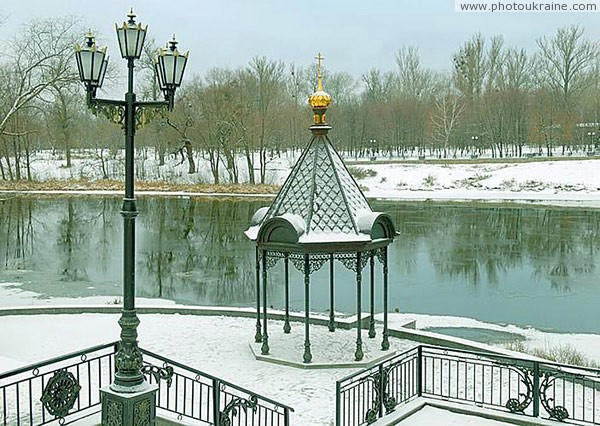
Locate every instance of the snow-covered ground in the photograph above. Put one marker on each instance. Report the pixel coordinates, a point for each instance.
(432, 416)
(200, 342)
(566, 182)
(573, 182)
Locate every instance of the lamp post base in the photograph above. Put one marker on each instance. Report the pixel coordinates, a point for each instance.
(129, 409)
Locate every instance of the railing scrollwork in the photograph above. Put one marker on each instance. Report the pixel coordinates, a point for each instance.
(380, 380)
(233, 407)
(519, 406)
(557, 412)
(159, 373)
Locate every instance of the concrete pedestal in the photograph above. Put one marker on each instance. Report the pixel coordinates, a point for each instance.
(129, 409)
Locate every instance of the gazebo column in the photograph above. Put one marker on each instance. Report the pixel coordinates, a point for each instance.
(307, 355)
(372, 295)
(264, 349)
(286, 324)
(358, 355)
(331, 295)
(385, 344)
(258, 335)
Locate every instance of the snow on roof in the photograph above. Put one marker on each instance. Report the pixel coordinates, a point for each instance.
(321, 191)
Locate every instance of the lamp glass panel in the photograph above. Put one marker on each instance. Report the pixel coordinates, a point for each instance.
(168, 68)
(83, 63)
(97, 62)
(103, 71)
(180, 62)
(122, 42)
(159, 76)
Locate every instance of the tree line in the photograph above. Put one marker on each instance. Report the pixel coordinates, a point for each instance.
(497, 100)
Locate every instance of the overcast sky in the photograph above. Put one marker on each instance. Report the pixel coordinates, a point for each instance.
(353, 35)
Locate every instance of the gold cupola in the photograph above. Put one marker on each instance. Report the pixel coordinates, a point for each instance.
(320, 100)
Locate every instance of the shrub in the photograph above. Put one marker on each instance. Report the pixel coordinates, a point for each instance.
(562, 354)
(430, 180)
(361, 173)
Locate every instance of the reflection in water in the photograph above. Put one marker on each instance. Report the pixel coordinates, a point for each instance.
(479, 244)
(489, 262)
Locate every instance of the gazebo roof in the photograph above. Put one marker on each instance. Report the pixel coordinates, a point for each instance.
(320, 202)
(322, 193)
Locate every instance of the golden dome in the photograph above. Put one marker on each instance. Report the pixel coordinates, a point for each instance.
(320, 99)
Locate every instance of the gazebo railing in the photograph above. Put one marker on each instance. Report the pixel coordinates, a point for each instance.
(65, 389)
(537, 389)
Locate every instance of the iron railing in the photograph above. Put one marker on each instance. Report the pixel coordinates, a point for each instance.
(43, 393)
(367, 395)
(65, 389)
(565, 393)
(198, 396)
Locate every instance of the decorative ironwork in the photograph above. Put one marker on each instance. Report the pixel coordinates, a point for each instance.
(128, 358)
(273, 257)
(557, 412)
(141, 413)
(380, 253)
(515, 405)
(60, 393)
(114, 413)
(316, 262)
(159, 373)
(349, 260)
(112, 112)
(380, 381)
(144, 115)
(233, 407)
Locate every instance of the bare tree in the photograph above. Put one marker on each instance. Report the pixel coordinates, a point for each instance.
(448, 108)
(414, 81)
(268, 79)
(566, 61)
(41, 58)
(470, 67)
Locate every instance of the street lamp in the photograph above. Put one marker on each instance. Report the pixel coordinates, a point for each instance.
(373, 144)
(591, 135)
(474, 140)
(129, 400)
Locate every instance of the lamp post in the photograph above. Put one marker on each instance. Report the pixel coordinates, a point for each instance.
(591, 135)
(129, 400)
(373, 144)
(474, 140)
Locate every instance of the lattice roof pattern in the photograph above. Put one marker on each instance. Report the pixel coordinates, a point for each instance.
(321, 191)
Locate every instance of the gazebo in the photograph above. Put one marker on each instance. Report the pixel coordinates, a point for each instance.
(320, 215)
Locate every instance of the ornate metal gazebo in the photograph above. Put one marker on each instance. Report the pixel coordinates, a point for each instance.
(320, 215)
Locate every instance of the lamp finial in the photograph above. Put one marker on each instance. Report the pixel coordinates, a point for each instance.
(131, 15)
(173, 44)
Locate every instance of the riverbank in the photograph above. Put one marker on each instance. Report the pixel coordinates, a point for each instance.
(562, 182)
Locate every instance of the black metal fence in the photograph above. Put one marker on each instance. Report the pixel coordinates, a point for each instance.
(538, 389)
(65, 389)
(39, 394)
(367, 395)
(199, 396)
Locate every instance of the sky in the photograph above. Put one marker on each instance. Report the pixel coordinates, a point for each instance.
(354, 36)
